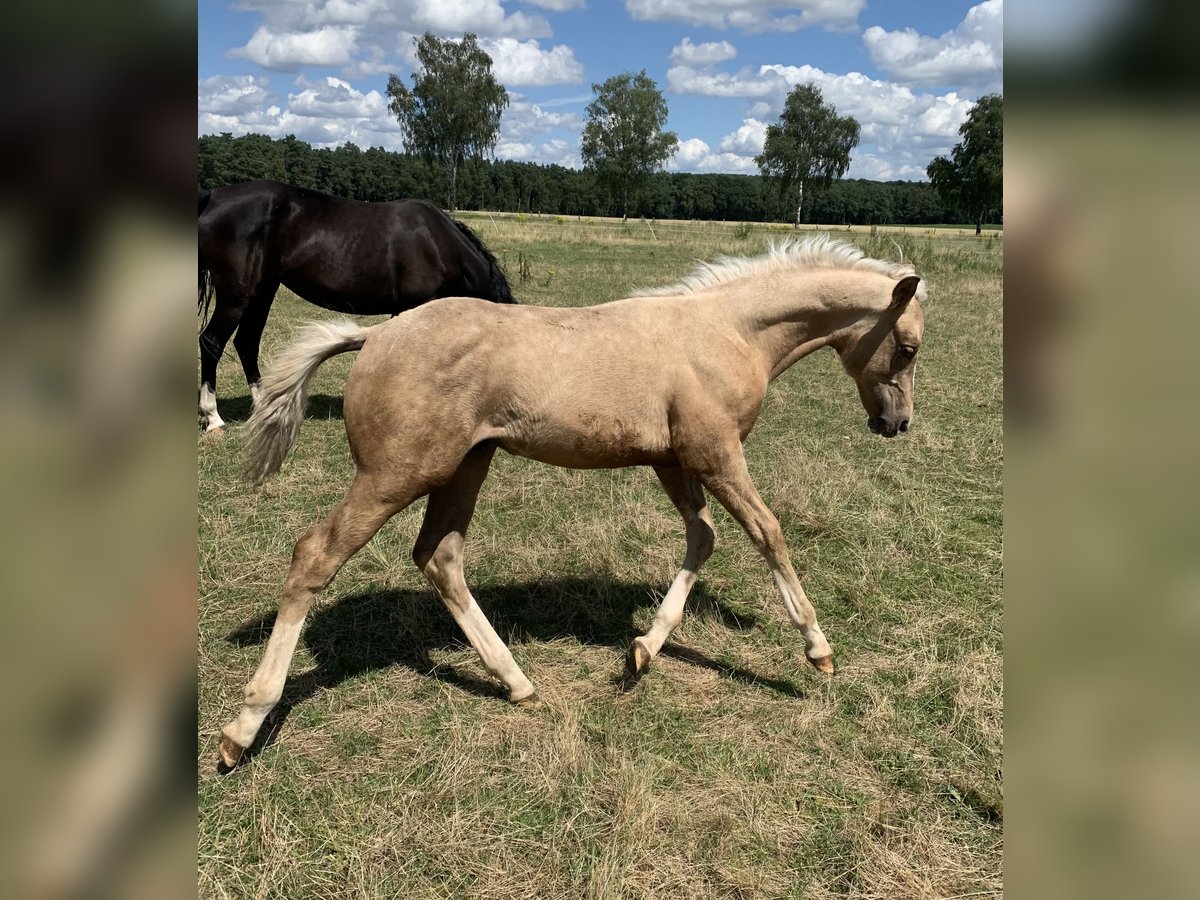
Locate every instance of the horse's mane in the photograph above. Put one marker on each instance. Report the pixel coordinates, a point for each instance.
(818, 252)
(501, 292)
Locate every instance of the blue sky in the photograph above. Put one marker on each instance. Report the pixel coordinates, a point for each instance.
(908, 71)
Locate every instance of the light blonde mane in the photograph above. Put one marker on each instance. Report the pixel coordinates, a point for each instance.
(818, 252)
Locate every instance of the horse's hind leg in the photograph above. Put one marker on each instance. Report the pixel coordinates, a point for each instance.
(249, 334)
(213, 339)
(438, 553)
(318, 556)
(723, 471)
(688, 496)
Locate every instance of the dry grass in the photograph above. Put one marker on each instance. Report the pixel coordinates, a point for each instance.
(733, 769)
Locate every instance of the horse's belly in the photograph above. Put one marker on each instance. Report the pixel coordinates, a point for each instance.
(368, 299)
(579, 448)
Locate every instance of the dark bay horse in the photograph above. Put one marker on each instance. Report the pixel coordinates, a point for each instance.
(672, 378)
(345, 255)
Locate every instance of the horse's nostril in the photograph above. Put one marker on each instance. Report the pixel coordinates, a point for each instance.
(903, 425)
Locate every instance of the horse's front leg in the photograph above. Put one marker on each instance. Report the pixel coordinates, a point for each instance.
(722, 470)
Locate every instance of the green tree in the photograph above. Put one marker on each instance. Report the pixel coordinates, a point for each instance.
(623, 141)
(810, 145)
(972, 179)
(453, 111)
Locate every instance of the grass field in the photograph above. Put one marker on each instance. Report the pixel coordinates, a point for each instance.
(733, 769)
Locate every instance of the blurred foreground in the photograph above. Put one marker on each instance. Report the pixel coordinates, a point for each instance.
(1102, 579)
(97, 455)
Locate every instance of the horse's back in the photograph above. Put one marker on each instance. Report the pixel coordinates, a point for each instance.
(366, 258)
(586, 387)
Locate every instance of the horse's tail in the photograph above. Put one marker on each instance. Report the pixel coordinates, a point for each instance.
(498, 289)
(274, 425)
(204, 293)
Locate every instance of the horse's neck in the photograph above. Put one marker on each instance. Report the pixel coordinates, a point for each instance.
(789, 317)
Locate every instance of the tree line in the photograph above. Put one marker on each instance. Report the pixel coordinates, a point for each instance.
(507, 186)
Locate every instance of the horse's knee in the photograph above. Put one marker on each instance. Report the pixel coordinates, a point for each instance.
(308, 544)
(767, 535)
(437, 560)
(705, 540)
(422, 555)
(309, 564)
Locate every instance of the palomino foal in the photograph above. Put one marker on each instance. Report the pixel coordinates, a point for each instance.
(672, 378)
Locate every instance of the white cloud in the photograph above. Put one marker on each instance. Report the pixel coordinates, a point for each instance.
(746, 83)
(876, 168)
(329, 111)
(526, 63)
(484, 17)
(371, 61)
(734, 155)
(694, 155)
(231, 94)
(872, 102)
(690, 152)
(336, 99)
(378, 21)
(750, 15)
(970, 55)
(901, 129)
(747, 140)
(319, 130)
(552, 152)
(702, 54)
(332, 45)
(523, 119)
(326, 113)
(287, 15)
(566, 101)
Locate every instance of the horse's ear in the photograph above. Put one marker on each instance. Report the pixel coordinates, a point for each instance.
(904, 290)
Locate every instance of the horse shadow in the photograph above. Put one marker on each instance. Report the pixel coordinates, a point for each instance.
(378, 629)
(320, 406)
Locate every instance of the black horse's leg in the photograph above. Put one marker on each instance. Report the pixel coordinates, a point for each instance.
(249, 334)
(213, 339)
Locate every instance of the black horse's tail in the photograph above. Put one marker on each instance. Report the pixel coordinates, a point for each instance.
(204, 293)
(499, 291)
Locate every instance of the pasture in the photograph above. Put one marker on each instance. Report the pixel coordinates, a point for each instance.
(733, 769)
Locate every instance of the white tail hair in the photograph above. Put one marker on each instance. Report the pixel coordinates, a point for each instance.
(275, 423)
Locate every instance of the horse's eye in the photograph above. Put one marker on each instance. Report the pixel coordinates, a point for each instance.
(908, 351)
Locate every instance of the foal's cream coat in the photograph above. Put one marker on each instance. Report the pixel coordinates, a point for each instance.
(673, 378)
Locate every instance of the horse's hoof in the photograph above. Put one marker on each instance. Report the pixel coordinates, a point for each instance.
(219, 431)
(230, 751)
(822, 663)
(529, 700)
(637, 660)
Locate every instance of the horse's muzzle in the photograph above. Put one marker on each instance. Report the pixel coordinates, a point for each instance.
(881, 426)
